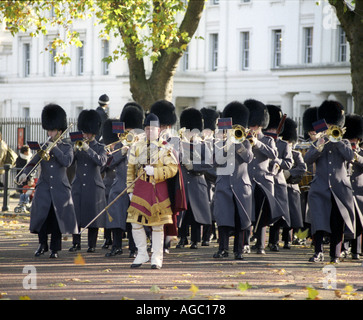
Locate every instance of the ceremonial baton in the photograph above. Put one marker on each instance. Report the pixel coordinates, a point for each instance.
(112, 202)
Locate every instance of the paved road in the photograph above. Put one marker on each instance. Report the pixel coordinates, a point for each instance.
(187, 274)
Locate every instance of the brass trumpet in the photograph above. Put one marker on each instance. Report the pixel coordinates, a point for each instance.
(239, 133)
(79, 144)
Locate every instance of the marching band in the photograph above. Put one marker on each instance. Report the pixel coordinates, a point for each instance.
(242, 172)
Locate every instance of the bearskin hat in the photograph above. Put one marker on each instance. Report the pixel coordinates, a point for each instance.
(132, 116)
(354, 126)
(89, 121)
(191, 118)
(275, 116)
(133, 104)
(107, 134)
(290, 130)
(54, 118)
(238, 112)
(332, 112)
(310, 116)
(210, 117)
(259, 115)
(165, 111)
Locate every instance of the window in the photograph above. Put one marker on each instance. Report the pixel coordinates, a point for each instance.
(26, 59)
(185, 64)
(277, 41)
(245, 49)
(245, 1)
(105, 54)
(308, 45)
(53, 64)
(81, 60)
(215, 2)
(342, 45)
(214, 51)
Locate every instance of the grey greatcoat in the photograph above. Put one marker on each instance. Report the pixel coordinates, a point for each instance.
(296, 173)
(235, 190)
(54, 188)
(261, 177)
(284, 162)
(88, 189)
(331, 179)
(118, 210)
(356, 178)
(195, 185)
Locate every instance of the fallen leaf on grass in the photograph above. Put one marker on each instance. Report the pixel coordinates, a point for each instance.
(312, 293)
(244, 286)
(154, 289)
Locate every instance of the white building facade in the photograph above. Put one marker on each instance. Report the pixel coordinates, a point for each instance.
(291, 53)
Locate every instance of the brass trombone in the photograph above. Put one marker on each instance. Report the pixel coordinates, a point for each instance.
(239, 133)
(335, 133)
(127, 138)
(44, 154)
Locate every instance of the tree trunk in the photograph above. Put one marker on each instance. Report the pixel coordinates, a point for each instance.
(160, 83)
(352, 24)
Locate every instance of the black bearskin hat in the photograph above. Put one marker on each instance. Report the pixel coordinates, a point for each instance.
(165, 111)
(290, 131)
(210, 117)
(151, 119)
(275, 116)
(259, 115)
(238, 112)
(354, 127)
(89, 121)
(107, 134)
(54, 118)
(310, 116)
(132, 104)
(332, 112)
(191, 118)
(132, 116)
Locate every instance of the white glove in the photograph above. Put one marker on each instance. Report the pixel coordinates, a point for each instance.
(22, 178)
(130, 195)
(149, 170)
(85, 146)
(124, 150)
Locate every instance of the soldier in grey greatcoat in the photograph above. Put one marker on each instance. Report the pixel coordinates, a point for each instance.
(210, 117)
(283, 162)
(133, 119)
(233, 193)
(266, 210)
(293, 177)
(330, 197)
(52, 210)
(354, 133)
(88, 189)
(198, 212)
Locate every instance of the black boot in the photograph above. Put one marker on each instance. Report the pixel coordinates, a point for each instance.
(41, 249)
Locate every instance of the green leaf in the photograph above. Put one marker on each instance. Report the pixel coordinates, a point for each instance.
(244, 286)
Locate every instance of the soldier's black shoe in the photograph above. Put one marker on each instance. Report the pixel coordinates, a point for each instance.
(75, 248)
(91, 249)
(221, 254)
(113, 252)
(41, 249)
(53, 255)
(274, 247)
(194, 245)
(334, 260)
(317, 257)
(155, 266)
(182, 243)
(238, 256)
